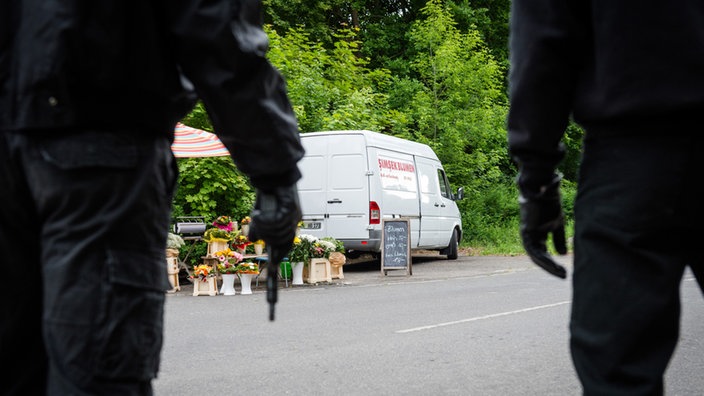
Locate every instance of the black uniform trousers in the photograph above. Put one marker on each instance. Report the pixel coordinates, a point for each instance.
(83, 224)
(638, 225)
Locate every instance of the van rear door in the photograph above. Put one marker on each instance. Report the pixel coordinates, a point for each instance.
(348, 187)
(334, 189)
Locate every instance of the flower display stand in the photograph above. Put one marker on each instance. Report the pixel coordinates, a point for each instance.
(216, 246)
(172, 270)
(228, 284)
(246, 282)
(317, 270)
(297, 272)
(207, 287)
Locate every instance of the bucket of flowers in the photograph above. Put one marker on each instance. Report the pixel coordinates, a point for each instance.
(299, 256)
(204, 281)
(301, 249)
(241, 242)
(259, 247)
(202, 272)
(228, 262)
(246, 271)
(248, 267)
(219, 235)
(245, 225)
(322, 248)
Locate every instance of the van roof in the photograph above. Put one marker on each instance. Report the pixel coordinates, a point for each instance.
(380, 140)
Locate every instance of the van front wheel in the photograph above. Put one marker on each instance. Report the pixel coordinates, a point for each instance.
(451, 249)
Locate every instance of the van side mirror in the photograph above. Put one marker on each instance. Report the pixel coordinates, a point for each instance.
(460, 194)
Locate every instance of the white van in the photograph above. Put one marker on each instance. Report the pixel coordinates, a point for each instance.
(354, 179)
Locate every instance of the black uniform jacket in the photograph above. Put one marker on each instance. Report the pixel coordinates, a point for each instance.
(137, 65)
(628, 67)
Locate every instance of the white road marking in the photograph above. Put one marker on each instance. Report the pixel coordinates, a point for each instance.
(476, 318)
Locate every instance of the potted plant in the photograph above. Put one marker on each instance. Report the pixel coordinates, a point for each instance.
(322, 248)
(318, 268)
(299, 255)
(245, 225)
(259, 247)
(228, 261)
(219, 235)
(173, 244)
(241, 242)
(246, 271)
(248, 267)
(204, 281)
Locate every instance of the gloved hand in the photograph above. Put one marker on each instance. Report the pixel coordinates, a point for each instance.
(275, 217)
(541, 214)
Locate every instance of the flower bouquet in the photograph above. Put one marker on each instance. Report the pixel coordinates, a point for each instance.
(301, 249)
(322, 248)
(245, 225)
(204, 281)
(228, 261)
(173, 244)
(241, 242)
(222, 230)
(202, 272)
(248, 268)
(224, 223)
(259, 246)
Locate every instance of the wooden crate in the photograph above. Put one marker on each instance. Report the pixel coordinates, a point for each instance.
(208, 287)
(317, 270)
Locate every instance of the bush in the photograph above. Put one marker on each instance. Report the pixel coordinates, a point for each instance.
(490, 218)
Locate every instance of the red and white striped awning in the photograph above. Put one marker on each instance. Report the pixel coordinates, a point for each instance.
(191, 142)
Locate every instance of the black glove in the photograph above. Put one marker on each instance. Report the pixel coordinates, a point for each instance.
(541, 214)
(275, 217)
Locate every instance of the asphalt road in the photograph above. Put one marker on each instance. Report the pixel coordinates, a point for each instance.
(472, 326)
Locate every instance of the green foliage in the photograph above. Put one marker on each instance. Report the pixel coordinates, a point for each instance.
(198, 118)
(491, 218)
(331, 88)
(456, 101)
(215, 233)
(210, 186)
(573, 143)
(339, 246)
(193, 253)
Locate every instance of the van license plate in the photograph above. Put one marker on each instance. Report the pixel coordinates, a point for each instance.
(313, 225)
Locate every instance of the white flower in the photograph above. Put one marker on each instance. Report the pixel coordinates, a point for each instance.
(327, 245)
(309, 238)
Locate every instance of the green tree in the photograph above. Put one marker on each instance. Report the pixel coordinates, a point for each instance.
(212, 187)
(331, 88)
(459, 106)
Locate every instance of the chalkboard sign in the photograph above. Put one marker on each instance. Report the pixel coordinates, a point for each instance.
(396, 245)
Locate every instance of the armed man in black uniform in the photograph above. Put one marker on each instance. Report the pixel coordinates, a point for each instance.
(631, 73)
(90, 92)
